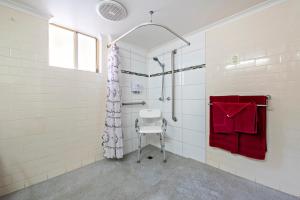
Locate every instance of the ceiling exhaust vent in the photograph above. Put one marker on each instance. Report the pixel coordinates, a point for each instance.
(111, 10)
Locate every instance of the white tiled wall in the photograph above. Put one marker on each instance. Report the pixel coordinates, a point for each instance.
(268, 44)
(185, 137)
(132, 59)
(51, 119)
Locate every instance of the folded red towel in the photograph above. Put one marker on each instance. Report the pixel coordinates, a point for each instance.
(234, 117)
(227, 141)
(255, 145)
(246, 121)
(250, 145)
(222, 123)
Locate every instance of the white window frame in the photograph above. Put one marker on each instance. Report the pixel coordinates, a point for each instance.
(75, 51)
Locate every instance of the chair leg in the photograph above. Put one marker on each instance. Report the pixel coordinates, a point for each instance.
(139, 147)
(163, 147)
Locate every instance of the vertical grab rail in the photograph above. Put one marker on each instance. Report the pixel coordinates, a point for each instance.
(173, 84)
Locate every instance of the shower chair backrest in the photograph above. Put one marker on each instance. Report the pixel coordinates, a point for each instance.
(151, 116)
(150, 113)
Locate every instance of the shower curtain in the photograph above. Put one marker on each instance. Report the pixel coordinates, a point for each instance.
(113, 136)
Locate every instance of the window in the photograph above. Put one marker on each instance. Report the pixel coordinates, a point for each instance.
(71, 49)
(61, 47)
(87, 50)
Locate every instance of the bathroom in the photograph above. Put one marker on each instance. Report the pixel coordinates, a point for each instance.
(116, 99)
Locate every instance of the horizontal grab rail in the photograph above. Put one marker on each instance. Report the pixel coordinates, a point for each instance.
(134, 103)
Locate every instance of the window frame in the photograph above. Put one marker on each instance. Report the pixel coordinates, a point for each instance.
(75, 50)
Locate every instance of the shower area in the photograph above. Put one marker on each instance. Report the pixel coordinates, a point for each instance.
(166, 78)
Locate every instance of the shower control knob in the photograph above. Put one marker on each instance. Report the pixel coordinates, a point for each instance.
(168, 98)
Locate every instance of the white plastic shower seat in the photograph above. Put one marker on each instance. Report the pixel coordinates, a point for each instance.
(150, 121)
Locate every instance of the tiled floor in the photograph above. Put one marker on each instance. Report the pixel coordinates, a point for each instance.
(178, 179)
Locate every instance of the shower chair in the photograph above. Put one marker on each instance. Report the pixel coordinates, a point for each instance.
(150, 121)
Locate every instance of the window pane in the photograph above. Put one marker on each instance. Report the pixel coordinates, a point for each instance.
(61, 47)
(86, 53)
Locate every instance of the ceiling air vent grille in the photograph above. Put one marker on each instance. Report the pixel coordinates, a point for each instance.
(111, 10)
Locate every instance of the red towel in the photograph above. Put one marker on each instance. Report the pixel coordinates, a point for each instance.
(250, 145)
(255, 145)
(226, 141)
(234, 117)
(246, 121)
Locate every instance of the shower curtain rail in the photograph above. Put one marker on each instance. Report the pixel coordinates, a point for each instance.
(149, 24)
(134, 103)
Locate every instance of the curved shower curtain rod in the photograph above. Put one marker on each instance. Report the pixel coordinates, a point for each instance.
(149, 24)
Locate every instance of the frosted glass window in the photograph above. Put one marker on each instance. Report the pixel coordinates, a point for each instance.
(87, 51)
(61, 47)
(72, 49)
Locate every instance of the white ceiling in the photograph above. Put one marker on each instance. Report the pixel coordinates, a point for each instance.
(183, 16)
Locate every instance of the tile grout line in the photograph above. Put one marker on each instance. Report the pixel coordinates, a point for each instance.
(180, 70)
(160, 74)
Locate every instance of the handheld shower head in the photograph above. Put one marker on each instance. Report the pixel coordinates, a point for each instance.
(157, 60)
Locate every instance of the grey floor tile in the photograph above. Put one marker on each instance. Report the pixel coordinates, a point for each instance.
(125, 179)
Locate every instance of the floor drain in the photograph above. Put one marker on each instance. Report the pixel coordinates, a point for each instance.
(149, 157)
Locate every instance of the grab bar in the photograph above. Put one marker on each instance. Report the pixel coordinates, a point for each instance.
(133, 103)
(173, 84)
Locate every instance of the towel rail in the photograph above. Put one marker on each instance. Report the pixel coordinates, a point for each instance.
(134, 103)
(258, 105)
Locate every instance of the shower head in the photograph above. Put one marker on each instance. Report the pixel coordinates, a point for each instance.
(157, 60)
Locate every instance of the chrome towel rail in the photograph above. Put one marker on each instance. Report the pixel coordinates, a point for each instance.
(134, 103)
(258, 105)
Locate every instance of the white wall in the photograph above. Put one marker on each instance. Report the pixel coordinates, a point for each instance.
(132, 59)
(186, 137)
(51, 119)
(268, 45)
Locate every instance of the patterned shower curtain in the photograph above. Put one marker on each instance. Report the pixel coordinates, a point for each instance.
(113, 136)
